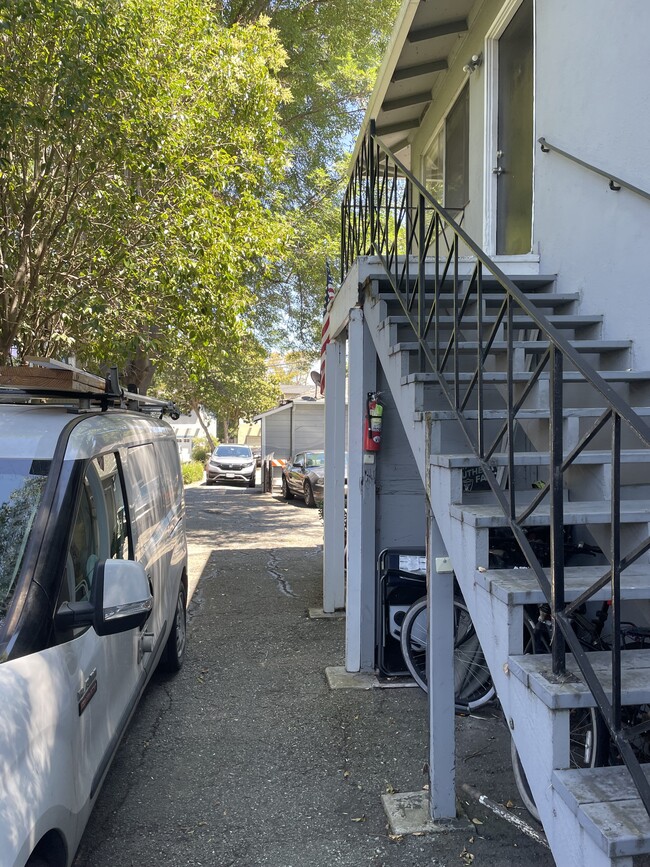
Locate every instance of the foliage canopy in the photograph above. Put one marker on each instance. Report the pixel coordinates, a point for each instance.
(169, 175)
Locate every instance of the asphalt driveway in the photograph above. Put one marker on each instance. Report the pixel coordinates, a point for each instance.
(247, 757)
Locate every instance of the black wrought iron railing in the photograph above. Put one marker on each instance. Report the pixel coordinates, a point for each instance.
(473, 327)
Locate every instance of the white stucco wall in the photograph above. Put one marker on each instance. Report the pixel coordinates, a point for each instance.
(593, 100)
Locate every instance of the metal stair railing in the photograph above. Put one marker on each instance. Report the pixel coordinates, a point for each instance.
(615, 183)
(387, 213)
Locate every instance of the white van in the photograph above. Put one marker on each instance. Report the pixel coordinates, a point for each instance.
(93, 591)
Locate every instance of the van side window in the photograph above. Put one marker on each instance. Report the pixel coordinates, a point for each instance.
(100, 530)
(144, 483)
(113, 495)
(172, 483)
(83, 553)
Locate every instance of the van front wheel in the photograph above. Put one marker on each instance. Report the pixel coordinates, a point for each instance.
(174, 653)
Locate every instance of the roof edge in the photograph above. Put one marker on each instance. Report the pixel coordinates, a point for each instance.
(387, 68)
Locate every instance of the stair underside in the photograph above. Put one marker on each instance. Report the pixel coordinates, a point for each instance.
(608, 807)
(534, 670)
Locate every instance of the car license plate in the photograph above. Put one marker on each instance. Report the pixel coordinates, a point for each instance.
(230, 475)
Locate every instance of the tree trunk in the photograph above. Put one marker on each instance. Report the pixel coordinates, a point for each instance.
(139, 372)
(204, 427)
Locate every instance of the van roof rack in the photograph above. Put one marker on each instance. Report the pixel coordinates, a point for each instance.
(45, 380)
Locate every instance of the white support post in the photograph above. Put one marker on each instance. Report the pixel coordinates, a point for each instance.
(440, 677)
(361, 554)
(334, 506)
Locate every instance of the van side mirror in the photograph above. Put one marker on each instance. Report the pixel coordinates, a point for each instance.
(121, 600)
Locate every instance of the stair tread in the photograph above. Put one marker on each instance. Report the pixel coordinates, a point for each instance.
(608, 807)
(528, 459)
(539, 299)
(485, 515)
(528, 345)
(530, 284)
(521, 322)
(523, 281)
(523, 376)
(523, 414)
(534, 670)
(520, 586)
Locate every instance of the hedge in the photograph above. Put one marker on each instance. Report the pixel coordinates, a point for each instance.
(192, 472)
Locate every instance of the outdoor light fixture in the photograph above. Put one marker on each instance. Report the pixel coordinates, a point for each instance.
(473, 64)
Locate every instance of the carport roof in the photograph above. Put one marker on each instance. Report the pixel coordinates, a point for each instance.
(285, 407)
(427, 36)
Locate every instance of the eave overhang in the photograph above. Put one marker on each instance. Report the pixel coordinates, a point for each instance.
(427, 35)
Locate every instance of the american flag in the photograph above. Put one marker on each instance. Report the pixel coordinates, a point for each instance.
(324, 335)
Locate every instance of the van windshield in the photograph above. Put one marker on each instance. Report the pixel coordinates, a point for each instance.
(21, 490)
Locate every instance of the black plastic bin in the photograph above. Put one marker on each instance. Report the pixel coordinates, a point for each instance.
(401, 580)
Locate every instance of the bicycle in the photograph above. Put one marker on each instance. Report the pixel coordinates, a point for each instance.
(473, 685)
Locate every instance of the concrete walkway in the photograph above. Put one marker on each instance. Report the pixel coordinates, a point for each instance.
(248, 758)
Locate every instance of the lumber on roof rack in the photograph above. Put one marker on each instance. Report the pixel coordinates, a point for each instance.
(41, 374)
(56, 380)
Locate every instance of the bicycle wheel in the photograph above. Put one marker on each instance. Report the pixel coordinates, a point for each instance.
(472, 682)
(413, 641)
(588, 748)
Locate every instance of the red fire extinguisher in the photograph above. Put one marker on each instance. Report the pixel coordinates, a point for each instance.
(374, 414)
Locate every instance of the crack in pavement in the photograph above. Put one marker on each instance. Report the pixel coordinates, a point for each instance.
(283, 585)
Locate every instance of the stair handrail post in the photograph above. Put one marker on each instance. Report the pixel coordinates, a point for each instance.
(615, 560)
(436, 311)
(480, 427)
(510, 397)
(456, 328)
(373, 184)
(558, 648)
(422, 258)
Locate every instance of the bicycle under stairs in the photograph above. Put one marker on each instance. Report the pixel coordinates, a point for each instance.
(591, 817)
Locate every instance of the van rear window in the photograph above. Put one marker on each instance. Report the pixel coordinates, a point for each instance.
(21, 489)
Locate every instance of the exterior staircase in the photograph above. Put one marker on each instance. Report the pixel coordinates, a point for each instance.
(591, 816)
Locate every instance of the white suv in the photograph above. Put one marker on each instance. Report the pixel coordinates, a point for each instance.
(231, 463)
(93, 591)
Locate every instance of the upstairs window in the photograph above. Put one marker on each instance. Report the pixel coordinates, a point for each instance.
(446, 161)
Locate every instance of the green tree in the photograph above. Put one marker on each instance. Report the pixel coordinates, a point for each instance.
(141, 139)
(231, 383)
(333, 52)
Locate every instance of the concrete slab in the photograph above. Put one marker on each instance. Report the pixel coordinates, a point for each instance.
(319, 614)
(339, 678)
(384, 682)
(408, 813)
